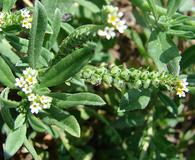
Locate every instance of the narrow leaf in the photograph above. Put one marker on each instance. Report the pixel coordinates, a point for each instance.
(39, 26)
(173, 5)
(6, 78)
(89, 5)
(63, 120)
(6, 51)
(14, 141)
(31, 149)
(4, 110)
(56, 25)
(65, 101)
(66, 67)
(36, 123)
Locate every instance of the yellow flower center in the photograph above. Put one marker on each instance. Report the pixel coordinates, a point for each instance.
(30, 79)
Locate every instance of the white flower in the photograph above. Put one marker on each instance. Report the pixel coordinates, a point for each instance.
(27, 89)
(32, 97)
(1, 15)
(25, 13)
(1, 20)
(35, 107)
(121, 26)
(181, 87)
(45, 99)
(20, 82)
(27, 23)
(107, 32)
(28, 72)
(31, 80)
(46, 105)
(113, 18)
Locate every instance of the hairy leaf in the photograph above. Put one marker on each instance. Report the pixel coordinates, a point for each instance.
(14, 141)
(66, 100)
(39, 26)
(164, 52)
(4, 110)
(135, 99)
(6, 78)
(66, 67)
(30, 148)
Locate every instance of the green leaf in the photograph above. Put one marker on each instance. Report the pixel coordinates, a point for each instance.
(20, 119)
(8, 4)
(51, 6)
(6, 78)
(63, 120)
(56, 25)
(67, 28)
(169, 104)
(9, 103)
(164, 52)
(135, 99)
(39, 26)
(18, 43)
(138, 41)
(66, 67)
(36, 123)
(152, 6)
(45, 58)
(188, 57)
(5, 112)
(89, 5)
(14, 141)
(6, 51)
(71, 125)
(66, 100)
(173, 5)
(31, 149)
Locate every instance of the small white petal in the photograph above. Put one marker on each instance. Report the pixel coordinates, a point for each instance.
(32, 97)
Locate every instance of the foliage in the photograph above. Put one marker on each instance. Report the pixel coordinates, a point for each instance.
(82, 80)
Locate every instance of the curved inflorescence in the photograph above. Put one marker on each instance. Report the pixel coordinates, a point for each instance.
(27, 82)
(123, 78)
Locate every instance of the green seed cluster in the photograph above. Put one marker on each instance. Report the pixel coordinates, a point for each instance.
(123, 78)
(79, 37)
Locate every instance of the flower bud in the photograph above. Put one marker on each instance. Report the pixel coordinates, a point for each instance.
(96, 79)
(115, 70)
(147, 83)
(101, 70)
(138, 84)
(87, 73)
(125, 74)
(107, 79)
(119, 84)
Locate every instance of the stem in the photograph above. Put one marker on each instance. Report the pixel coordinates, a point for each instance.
(28, 3)
(147, 135)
